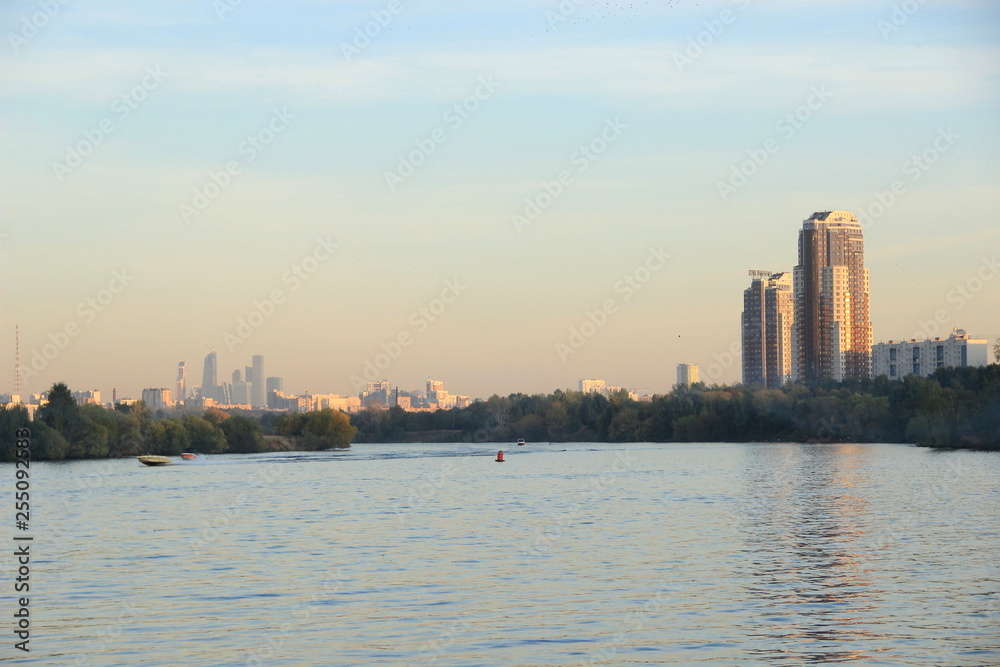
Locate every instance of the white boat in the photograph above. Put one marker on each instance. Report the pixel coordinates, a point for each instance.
(520, 442)
(188, 456)
(155, 460)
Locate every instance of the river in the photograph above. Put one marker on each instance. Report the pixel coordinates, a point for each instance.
(565, 554)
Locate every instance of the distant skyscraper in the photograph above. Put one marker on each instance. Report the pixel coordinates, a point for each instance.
(248, 374)
(832, 334)
(687, 374)
(768, 314)
(181, 388)
(274, 384)
(209, 377)
(239, 391)
(258, 397)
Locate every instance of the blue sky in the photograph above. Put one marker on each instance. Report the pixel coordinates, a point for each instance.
(886, 94)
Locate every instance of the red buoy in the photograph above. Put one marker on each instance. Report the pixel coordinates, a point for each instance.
(500, 456)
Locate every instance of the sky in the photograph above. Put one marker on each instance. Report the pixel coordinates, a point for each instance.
(505, 196)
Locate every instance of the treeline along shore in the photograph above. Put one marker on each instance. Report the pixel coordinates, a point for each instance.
(64, 430)
(957, 407)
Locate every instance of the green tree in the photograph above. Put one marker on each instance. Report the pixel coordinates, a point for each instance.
(243, 435)
(11, 419)
(47, 444)
(90, 441)
(328, 428)
(175, 437)
(61, 413)
(205, 437)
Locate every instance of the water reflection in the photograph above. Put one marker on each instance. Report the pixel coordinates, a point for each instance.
(806, 571)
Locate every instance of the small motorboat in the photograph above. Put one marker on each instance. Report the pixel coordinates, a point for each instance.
(188, 456)
(520, 442)
(155, 460)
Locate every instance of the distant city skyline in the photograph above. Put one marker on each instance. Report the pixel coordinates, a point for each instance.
(506, 196)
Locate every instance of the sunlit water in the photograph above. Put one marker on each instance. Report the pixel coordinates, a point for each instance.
(564, 554)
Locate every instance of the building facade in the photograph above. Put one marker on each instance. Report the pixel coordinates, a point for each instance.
(180, 393)
(210, 376)
(687, 374)
(258, 393)
(593, 387)
(157, 398)
(897, 359)
(767, 320)
(89, 397)
(832, 333)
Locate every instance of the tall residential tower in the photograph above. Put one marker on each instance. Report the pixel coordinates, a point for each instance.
(687, 374)
(768, 315)
(832, 334)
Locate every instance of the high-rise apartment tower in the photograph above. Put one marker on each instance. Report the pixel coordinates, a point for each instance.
(832, 334)
(768, 314)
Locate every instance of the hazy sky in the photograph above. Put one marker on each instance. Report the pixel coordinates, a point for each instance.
(169, 168)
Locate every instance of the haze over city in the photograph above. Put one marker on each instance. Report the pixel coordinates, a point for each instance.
(468, 185)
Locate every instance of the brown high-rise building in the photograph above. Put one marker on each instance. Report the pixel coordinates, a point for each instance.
(768, 315)
(832, 334)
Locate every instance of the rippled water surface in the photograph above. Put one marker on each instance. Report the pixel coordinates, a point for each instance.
(564, 554)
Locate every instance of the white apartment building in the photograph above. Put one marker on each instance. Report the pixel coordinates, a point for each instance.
(897, 359)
